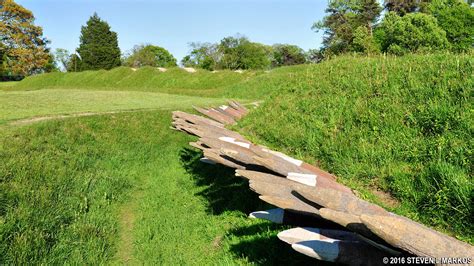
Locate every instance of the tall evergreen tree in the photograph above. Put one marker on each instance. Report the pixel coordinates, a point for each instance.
(344, 17)
(98, 47)
(403, 7)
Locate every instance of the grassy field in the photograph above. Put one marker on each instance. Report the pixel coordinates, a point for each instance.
(124, 188)
(16, 105)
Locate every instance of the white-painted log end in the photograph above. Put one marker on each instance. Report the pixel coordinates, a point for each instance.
(207, 160)
(273, 215)
(318, 249)
(305, 179)
(299, 234)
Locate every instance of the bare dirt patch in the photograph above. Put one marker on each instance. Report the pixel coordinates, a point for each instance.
(32, 120)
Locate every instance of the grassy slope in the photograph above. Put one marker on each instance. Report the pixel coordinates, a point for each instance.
(23, 104)
(403, 125)
(175, 80)
(123, 188)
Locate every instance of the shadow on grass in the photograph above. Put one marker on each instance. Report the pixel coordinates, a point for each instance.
(226, 192)
(261, 245)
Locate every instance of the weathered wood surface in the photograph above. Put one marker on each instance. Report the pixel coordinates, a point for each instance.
(339, 201)
(308, 196)
(416, 238)
(216, 115)
(333, 245)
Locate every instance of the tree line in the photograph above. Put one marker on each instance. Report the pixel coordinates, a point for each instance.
(350, 26)
(407, 26)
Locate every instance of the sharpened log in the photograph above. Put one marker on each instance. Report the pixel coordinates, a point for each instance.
(290, 203)
(227, 112)
(213, 156)
(298, 234)
(299, 174)
(271, 189)
(238, 110)
(231, 111)
(270, 154)
(208, 129)
(340, 201)
(268, 178)
(354, 224)
(203, 133)
(239, 154)
(207, 161)
(333, 245)
(217, 116)
(295, 218)
(238, 106)
(225, 143)
(341, 252)
(195, 119)
(416, 238)
(318, 171)
(189, 130)
(198, 145)
(350, 221)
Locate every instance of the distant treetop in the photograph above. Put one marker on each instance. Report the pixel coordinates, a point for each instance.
(98, 47)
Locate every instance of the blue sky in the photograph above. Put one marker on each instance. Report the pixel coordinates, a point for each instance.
(174, 24)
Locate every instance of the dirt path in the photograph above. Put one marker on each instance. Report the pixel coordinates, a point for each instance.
(127, 219)
(32, 120)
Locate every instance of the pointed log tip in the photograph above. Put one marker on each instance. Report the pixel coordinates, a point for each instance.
(273, 215)
(207, 161)
(299, 234)
(318, 249)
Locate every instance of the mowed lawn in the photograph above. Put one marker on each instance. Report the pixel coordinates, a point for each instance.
(120, 188)
(16, 105)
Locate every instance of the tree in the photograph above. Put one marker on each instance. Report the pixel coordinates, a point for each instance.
(203, 55)
(314, 56)
(286, 55)
(24, 50)
(456, 18)
(411, 33)
(74, 64)
(51, 66)
(150, 55)
(62, 57)
(364, 42)
(98, 47)
(239, 53)
(344, 17)
(401, 7)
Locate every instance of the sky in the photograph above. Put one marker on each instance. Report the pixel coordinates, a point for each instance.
(174, 24)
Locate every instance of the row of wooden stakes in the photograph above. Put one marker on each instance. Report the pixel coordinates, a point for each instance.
(333, 224)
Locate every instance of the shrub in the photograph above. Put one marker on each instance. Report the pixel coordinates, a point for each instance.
(411, 33)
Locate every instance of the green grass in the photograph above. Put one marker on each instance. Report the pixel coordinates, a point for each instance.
(8, 84)
(25, 104)
(402, 125)
(175, 81)
(124, 188)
